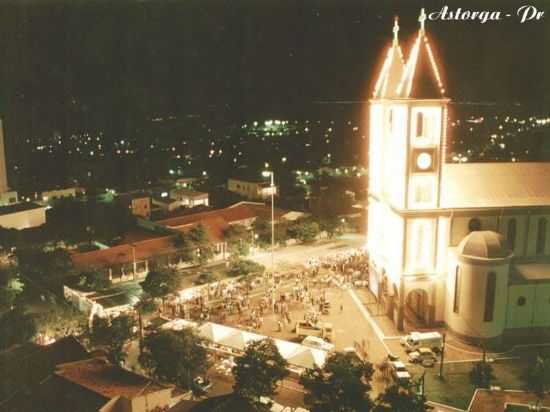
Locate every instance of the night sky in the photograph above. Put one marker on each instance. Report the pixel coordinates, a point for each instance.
(118, 63)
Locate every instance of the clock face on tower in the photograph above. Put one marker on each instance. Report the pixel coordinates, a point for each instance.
(423, 160)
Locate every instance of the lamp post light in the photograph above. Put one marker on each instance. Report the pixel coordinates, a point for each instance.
(272, 187)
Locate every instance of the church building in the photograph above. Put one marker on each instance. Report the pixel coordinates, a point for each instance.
(463, 245)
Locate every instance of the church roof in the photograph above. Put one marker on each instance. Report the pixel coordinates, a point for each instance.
(481, 185)
(392, 70)
(484, 244)
(421, 78)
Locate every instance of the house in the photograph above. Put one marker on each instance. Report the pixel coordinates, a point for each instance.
(166, 203)
(86, 384)
(22, 216)
(131, 259)
(138, 202)
(49, 196)
(189, 198)
(466, 245)
(251, 188)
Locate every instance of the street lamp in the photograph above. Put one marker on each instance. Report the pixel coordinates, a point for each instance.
(272, 187)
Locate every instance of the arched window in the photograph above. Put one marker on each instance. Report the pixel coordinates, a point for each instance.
(456, 302)
(541, 236)
(511, 233)
(474, 224)
(490, 296)
(419, 124)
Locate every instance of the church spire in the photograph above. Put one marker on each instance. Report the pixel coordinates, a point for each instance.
(392, 70)
(421, 78)
(422, 20)
(396, 32)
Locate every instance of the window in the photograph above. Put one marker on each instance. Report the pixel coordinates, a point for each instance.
(390, 120)
(423, 191)
(490, 296)
(522, 301)
(474, 224)
(419, 124)
(541, 236)
(456, 303)
(511, 233)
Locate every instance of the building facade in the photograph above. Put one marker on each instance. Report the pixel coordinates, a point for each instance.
(251, 189)
(458, 244)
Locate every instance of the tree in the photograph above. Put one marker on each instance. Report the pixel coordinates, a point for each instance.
(258, 371)
(202, 245)
(244, 267)
(238, 240)
(160, 283)
(61, 320)
(185, 247)
(206, 277)
(113, 335)
(174, 356)
(397, 398)
(16, 326)
(342, 385)
(9, 288)
(481, 374)
(538, 376)
(94, 280)
(304, 230)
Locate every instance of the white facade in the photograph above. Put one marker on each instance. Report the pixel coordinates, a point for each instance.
(428, 221)
(253, 190)
(13, 217)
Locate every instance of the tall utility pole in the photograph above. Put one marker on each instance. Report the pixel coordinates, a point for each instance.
(272, 187)
(442, 358)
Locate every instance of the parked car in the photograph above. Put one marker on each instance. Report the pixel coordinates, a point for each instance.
(422, 355)
(317, 343)
(399, 372)
(417, 340)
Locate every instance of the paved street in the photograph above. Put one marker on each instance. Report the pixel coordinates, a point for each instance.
(297, 255)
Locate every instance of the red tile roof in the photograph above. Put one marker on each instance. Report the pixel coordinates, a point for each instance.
(106, 379)
(146, 244)
(123, 253)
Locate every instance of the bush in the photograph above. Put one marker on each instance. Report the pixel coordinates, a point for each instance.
(244, 267)
(206, 277)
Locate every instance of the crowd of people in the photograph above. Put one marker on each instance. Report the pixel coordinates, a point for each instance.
(245, 302)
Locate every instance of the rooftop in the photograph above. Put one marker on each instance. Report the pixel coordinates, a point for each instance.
(532, 272)
(483, 185)
(486, 400)
(106, 379)
(484, 244)
(19, 207)
(189, 192)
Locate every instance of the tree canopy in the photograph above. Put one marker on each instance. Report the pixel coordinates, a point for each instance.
(160, 282)
(538, 375)
(342, 385)
(397, 398)
(174, 356)
(9, 288)
(16, 326)
(244, 267)
(305, 230)
(113, 335)
(259, 370)
(238, 239)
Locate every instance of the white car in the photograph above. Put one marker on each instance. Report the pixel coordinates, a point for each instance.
(400, 372)
(317, 343)
(422, 355)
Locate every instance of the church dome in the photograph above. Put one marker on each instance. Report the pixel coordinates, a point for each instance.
(484, 244)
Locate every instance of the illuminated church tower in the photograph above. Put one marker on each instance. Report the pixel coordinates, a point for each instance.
(408, 113)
